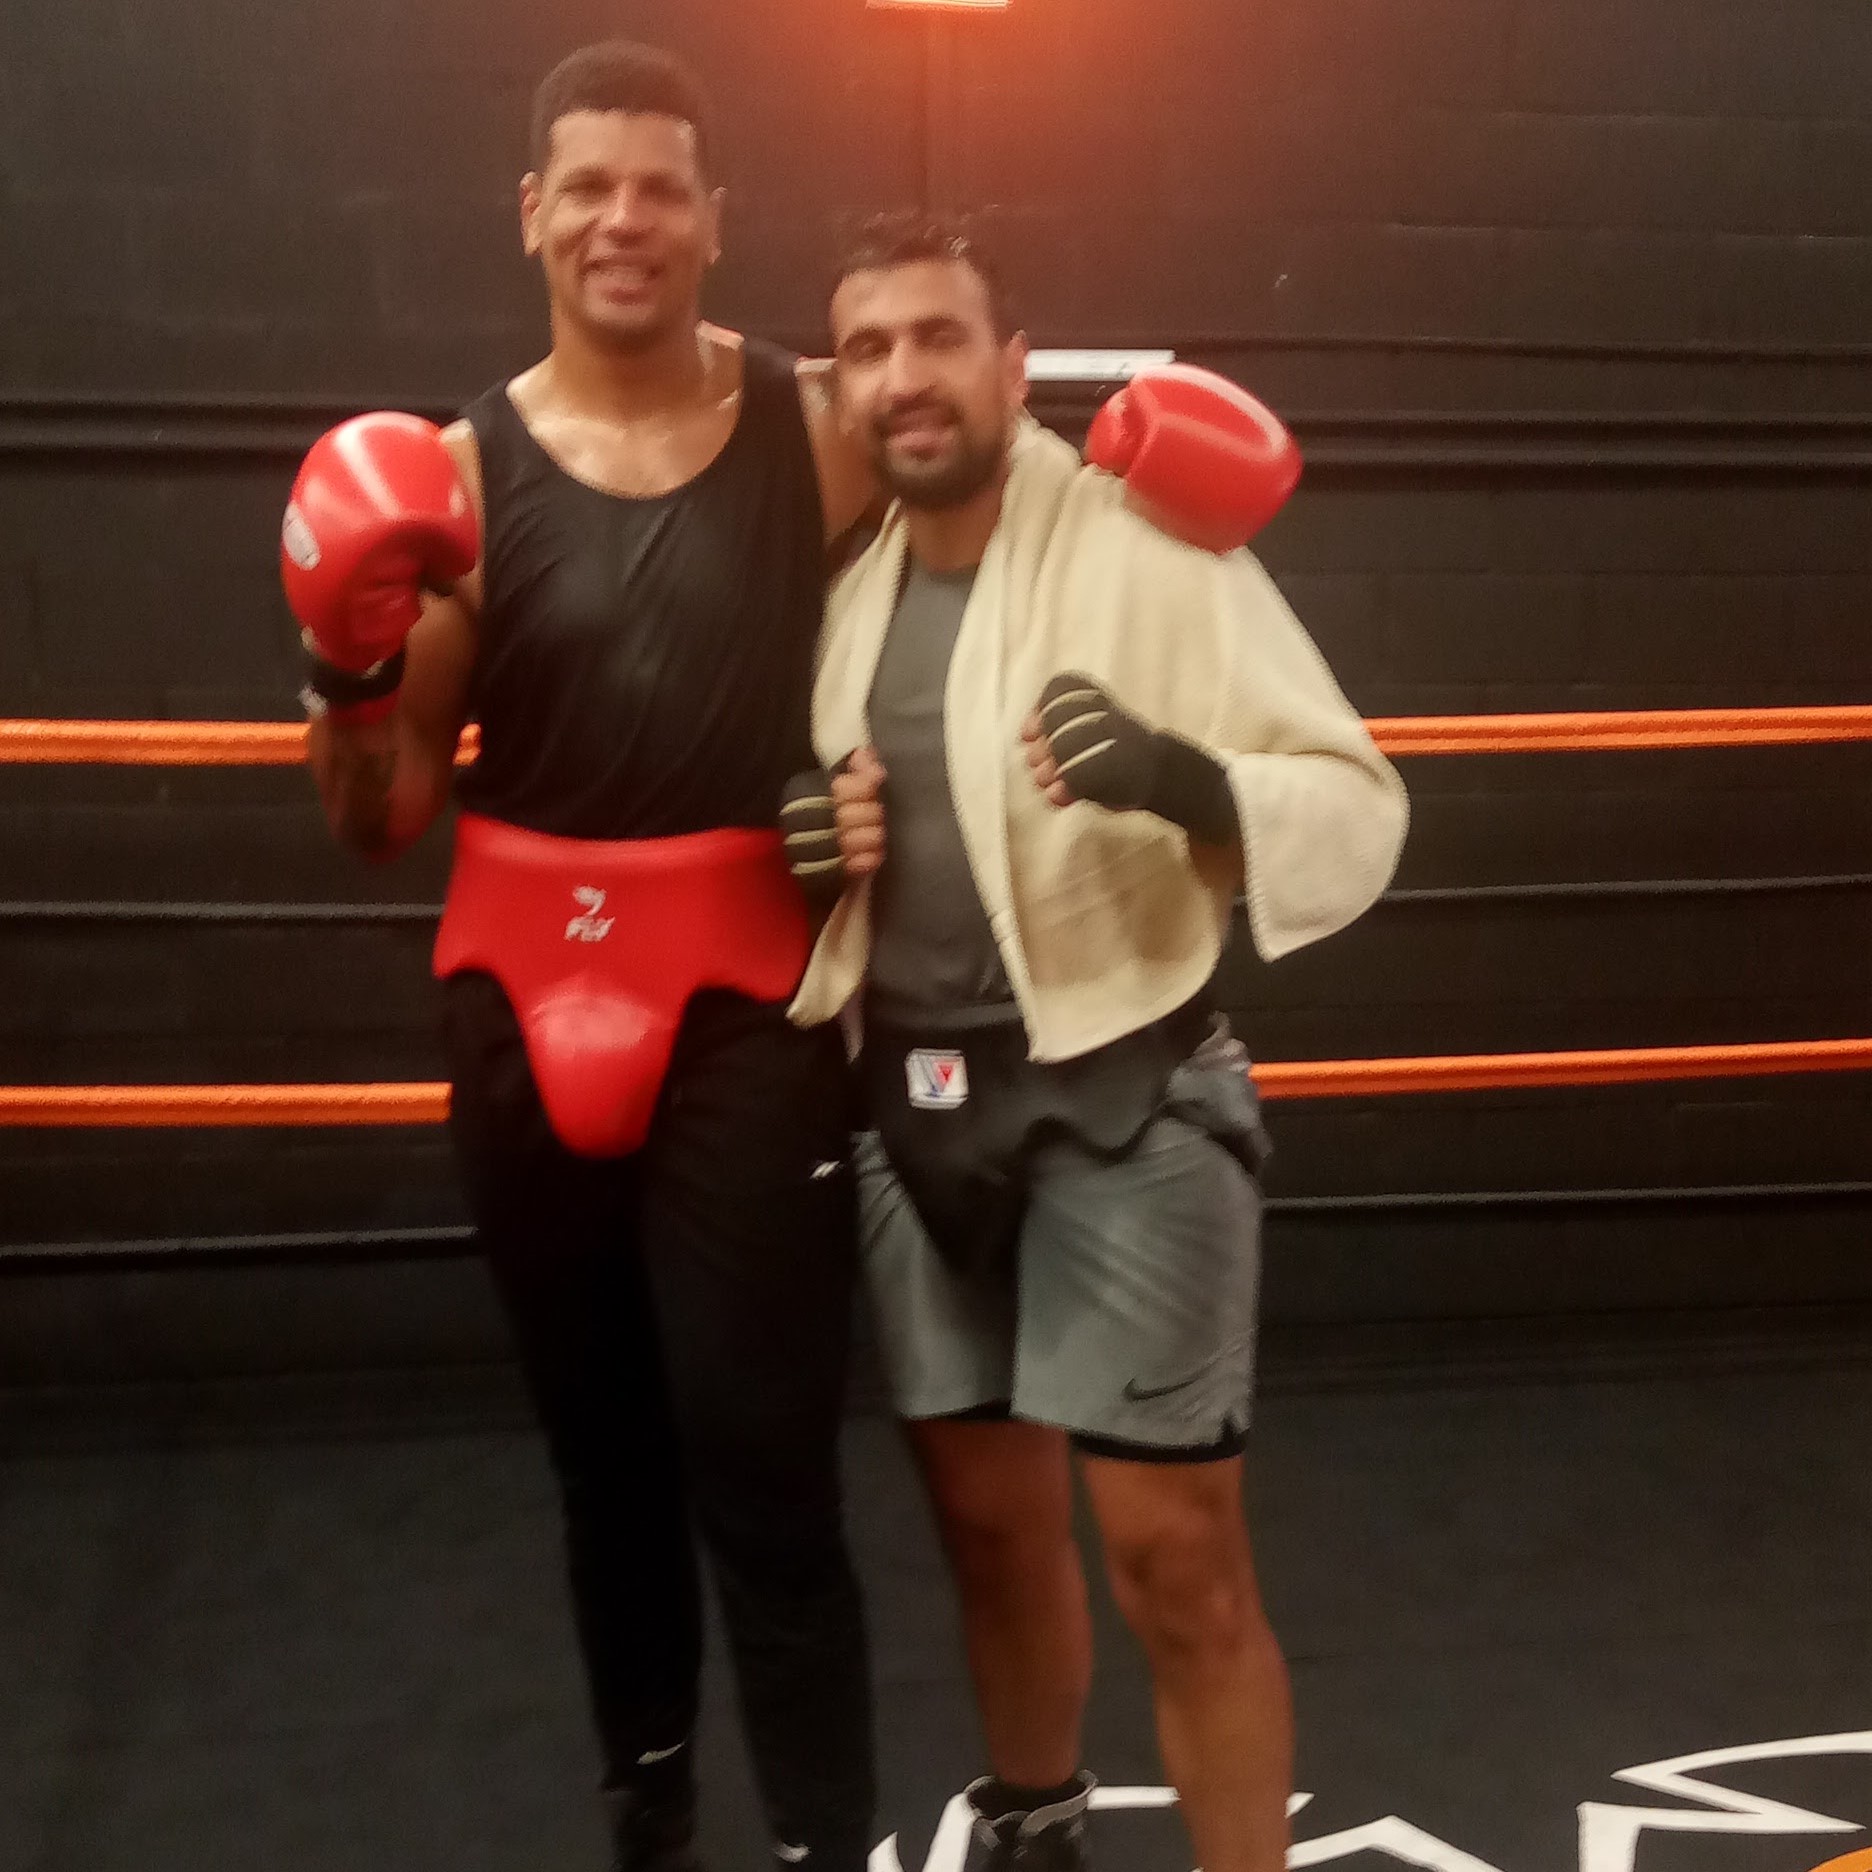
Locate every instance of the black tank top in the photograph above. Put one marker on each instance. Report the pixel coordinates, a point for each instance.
(644, 667)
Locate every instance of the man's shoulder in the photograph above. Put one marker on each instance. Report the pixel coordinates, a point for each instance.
(867, 552)
(865, 585)
(1095, 510)
(1098, 544)
(732, 354)
(814, 377)
(518, 394)
(761, 361)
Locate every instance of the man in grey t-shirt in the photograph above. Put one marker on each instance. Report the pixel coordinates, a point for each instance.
(1062, 1257)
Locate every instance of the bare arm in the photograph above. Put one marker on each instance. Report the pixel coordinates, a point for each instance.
(384, 783)
(848, 486)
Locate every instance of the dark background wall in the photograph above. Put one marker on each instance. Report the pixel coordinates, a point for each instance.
(1567, 300)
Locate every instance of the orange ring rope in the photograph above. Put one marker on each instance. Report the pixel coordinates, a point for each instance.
(166, 744)
(1610, 730)
(1486, 1072)
(83, 1107)
(282, 744)
(166, 1106)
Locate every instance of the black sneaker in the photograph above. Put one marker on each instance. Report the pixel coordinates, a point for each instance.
(1039, 1839)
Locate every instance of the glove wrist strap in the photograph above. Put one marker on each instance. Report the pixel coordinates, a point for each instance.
(350, 696)
(1191, 788)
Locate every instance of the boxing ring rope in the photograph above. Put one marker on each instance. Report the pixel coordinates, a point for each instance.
(162, 1107)
(282, 744)
(224, 744)
(1609, 730)
(128, 1107)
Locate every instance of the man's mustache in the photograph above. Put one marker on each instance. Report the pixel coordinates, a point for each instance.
(902, 415)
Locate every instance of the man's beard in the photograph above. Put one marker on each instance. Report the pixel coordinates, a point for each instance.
(949, 481)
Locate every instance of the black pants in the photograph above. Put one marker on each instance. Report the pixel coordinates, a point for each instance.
(683, 1317)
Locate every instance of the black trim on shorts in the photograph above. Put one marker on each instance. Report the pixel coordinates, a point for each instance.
(1231, 1443)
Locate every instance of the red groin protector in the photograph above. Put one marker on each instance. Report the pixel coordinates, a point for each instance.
(599, 945)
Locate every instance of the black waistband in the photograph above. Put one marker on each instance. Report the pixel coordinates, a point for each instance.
(1182, 1030)
(906, 1017)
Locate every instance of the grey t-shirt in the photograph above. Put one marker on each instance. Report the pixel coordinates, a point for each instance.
(935, 970)
(933, 957)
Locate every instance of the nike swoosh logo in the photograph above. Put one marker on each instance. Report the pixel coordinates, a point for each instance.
(1142, 1394)
(656, 1755)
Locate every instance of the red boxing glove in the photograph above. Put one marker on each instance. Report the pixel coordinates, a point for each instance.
(1205, 456)
(377, 515)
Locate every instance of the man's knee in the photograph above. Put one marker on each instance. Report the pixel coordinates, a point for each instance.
(1186, 1585)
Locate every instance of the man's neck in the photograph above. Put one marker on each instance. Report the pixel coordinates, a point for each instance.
(602, 380)
(952, 539)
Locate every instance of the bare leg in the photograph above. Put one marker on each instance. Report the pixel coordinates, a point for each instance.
(1181, 1570)
(1003, 1499)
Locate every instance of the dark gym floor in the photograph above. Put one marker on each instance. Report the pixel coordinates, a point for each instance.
(311, 1628)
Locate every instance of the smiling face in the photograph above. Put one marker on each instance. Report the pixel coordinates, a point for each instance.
(925, 381)
(623, 223)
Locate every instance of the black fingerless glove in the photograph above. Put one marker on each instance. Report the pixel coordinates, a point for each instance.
(809, 826)
(1112, 759)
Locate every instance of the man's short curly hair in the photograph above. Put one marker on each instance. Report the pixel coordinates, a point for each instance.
(619, 75)
(906, 236)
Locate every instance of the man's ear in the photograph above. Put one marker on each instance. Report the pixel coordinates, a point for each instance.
(717, 202)
(1014, 367)
(531, 195)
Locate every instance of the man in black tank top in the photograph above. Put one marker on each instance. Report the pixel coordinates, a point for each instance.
(656, 498)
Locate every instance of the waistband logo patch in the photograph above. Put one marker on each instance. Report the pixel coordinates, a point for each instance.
(937, 1078)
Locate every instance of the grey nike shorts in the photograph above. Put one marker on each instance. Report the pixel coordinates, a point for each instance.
(1125, 1313)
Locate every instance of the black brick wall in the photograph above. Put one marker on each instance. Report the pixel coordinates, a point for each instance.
(1642, 229)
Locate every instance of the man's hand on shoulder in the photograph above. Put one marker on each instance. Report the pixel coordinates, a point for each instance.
(1201, 459)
